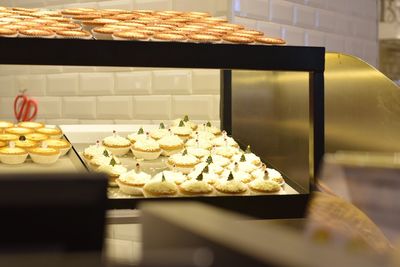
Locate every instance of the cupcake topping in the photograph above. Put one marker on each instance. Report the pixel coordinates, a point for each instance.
(162, 126)
(242, 158)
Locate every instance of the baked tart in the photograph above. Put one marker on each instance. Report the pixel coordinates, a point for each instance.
(24, 143)
(36, 33)
(238, 39)
(4, 125)
(159, 186)
(147, 149)
(30, 124)
(132, 182)
(36, 137)
(183, 162)
(44, 155)
(4, 32)
(51, 132)
(74, 34)
(270, 41)
(171, 144)
(18, 131)
(169, 37)
(204, 38)
(130, 36)
(13, 155)
(117, 144)
(63, 145)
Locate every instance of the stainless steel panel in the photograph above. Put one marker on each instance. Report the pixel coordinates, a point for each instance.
(270, 112)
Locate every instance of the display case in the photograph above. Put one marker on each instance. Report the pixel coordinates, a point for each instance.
(246, 72)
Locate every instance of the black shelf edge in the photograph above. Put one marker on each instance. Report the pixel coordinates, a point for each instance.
(75, 52)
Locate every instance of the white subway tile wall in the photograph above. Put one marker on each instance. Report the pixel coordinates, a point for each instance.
(89, 95)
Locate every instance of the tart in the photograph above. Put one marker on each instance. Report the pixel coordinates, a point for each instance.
(4, 125)
(186, 122)
(239, 174)
(159, 186)
(198, 152)
(131, 35)
(30, 124)
(76, 11)
(217, 160)
(36, 137)
(182, 131)
(44, 22)
(175, 176)
(27, 24)
(253, 33)
(230, 186)
(15, 27)
(211, 168)
(214, 20)
(3, 144)
(204, 38)
(74, 34)
(132, 182)
(270, 41)
(169, 37)
(170, 144)
(25, 143)
(86, 16)
(90, 24)
(197, 14)
(226, 151)
(262, 186)
(208, 174)
(67, 25)
(95, 150)
(113, 171)
(8, 137)
(23, 9)
(18, 131)
(63, 145)
(232, 26)
(275, 176)
(4, 32)
(225, 141)
(51, 132)
(207, 127)
(36, 33)
(139, 135)
(13, 155)
(202, 135)
(147, 149)
(118, 145)
(159, 133)
(199, 143)
(233, 39)
(44, 155)
(103, 33)
(196, 187)
(103, 159)
(182, 162)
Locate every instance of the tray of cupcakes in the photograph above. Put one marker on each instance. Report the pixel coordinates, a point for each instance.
(184, 159)
(35, 147)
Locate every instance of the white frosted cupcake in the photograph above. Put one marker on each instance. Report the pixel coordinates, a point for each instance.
(196, 187)
(63, 145)
(217, 160)
(175, 176)
(147, 149)
(183, 162)
(264, 186)
(182, 131)
(199, 143)
(226, 151)
(208, 175)
(225, 141)
(213, 168)
(44, 155)
(275, 176)
(159, 133)
(118, 145)
(113, 171)
(13, 155)
(230, 186)
(207, 127)
(186, 121)
(137, 136)
(132, 182)
(103, 159)
(198, 152)
(94, 150)
(244, 165)
(249, 157)
(239, 174)
(170, 144)
(159, 186)
(199, 135)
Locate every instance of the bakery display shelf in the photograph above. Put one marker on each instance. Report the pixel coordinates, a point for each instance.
(71, 162)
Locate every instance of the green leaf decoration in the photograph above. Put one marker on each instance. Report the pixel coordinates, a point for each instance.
(209, 160)
(208, 124)
(200, 177)
(230, 177)
(163, 178)
(22, 138)
(186, 118)
(248, 149)
(141, 131)
(181, 124)
(206, 170)
(184, 153)
(162, 126)
(242, 158)
(113, 162)
(105, 153)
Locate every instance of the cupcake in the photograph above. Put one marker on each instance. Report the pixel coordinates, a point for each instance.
(239, 174)
(183, 162)
(147, 149)
(251, 157)
(207, 127)
(25, 143)
(44, 155)
(230, 186)
(182, 131)
(8, 137)
(244, 165)
(4, 125)
(113, 171)
(159, 133)
(225, 141)
(13, 155)
(226, 151)
(103, 159)
(3, 144)
(136, 136)
(94, 150)
(186, 122)
(159, 186)
(199, 135)
(37, 137)
(36, 33)
(196, 187)
(132, 182)
(199, 143)
(18, 131)
(30, 124)
(170, 144)
(51, 132)
(175, 176)
(217, 160)
(63, 145)
(211, 167)
(263, 186)
(275, 176)
(198, 152)
(208, 175)
(118, 145)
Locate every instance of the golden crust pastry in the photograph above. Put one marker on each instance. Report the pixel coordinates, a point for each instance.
(8, 137)
(37, 33)
(49, 131)
(18, 130)
(238, 39)
(6, 124)
(271, 41)
(44, 151)
(169, 37)
(13, 151)
(3, 144)
(204, 38)
(131, 35)
(74, 34)
(38, 137)
(55, 143)
(30, 124)
(26, 144)
(7, 32)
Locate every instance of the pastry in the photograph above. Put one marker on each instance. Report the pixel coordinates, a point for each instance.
(244, 165)
(63, 145)
(36, 33)
(230, 186)
(68, 26)
(25, 143)
(37, 137)
(113, 171)
(159, 133)
(90, 24)
(175, 176)
(239, 174)
(130, 35)
(207, 172)
(4, 125)
(4, 32)
(275, 176)
(13, 155)
(226, 151)
(199, 143)
(209, 128)
(215, 20)
(51, 132)
(168, 37)
(95, 150)
(251, 157)
(182, 131)
(270, 41)
(3, 144)
(170, 144)
(147, 149)
(186, 122)
(198, 152)
(18, 131)
(159, 186)
(202, 135)
(102, 159)
(76, 11)
(253, 33)
(217, 160)
(74, 34)
(136, 136)
(225, 141)
(196, 187)
(204, 37)
(233, 39)
(118, 145)
(44, 155)
(213, 168)
(261, 185)
(8, 137)
(182, 162)
(30, 124)
(132, 182)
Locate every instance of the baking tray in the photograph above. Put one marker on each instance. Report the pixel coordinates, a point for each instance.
(286, 204)
(71, 162)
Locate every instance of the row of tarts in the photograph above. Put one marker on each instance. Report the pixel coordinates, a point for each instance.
(198, 160)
